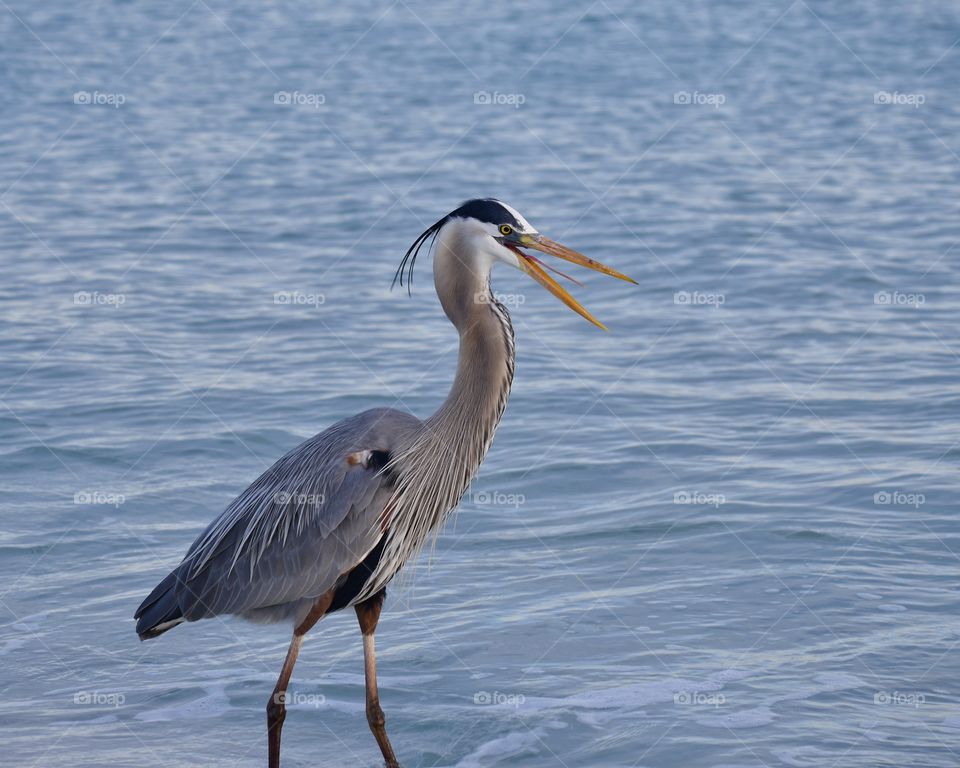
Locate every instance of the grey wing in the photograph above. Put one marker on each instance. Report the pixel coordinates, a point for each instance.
(302, 525)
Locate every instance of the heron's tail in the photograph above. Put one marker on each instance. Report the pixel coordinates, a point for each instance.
(161, 610)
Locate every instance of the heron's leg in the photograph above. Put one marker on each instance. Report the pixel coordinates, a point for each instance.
(276, 709)
(368, 613)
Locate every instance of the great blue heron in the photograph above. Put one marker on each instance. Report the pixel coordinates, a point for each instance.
(331, 523)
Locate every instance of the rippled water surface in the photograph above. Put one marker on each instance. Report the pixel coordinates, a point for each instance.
(722, 534)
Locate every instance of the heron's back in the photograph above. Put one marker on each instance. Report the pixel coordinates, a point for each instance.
(294, 534)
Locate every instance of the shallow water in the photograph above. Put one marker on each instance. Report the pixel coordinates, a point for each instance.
(723, 534)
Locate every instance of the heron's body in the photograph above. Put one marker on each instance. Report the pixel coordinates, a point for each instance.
(261, 557)
(330, 523)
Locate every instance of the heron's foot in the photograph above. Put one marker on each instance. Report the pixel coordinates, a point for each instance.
(378, 725)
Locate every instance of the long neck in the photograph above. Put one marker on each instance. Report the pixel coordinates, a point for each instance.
(436, 467)
(460, 432)
(463, 427)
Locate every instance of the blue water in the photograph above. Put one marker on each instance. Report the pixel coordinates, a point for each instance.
(723, 534)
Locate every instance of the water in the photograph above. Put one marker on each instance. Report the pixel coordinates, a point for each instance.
(723, 534)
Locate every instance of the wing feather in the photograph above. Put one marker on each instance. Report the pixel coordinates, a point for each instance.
(298, 528)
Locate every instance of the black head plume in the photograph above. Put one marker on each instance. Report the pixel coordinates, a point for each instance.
(410, 257)
(485, 209)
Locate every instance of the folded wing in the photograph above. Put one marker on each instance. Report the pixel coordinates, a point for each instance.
(293, 534)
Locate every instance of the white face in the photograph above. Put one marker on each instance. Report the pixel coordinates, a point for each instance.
(485, 238)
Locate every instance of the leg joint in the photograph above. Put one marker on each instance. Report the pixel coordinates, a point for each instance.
(276, 707)
(375, 715)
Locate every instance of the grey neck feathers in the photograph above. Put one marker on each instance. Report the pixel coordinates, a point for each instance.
(435, 468)
(461, 430)
(464, 425)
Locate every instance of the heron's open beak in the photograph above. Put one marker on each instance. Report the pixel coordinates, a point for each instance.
(535, 268)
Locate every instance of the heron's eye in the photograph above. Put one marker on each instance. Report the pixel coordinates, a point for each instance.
(506, 229)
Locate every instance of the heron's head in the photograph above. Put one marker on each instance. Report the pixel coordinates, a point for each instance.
(478, 234)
